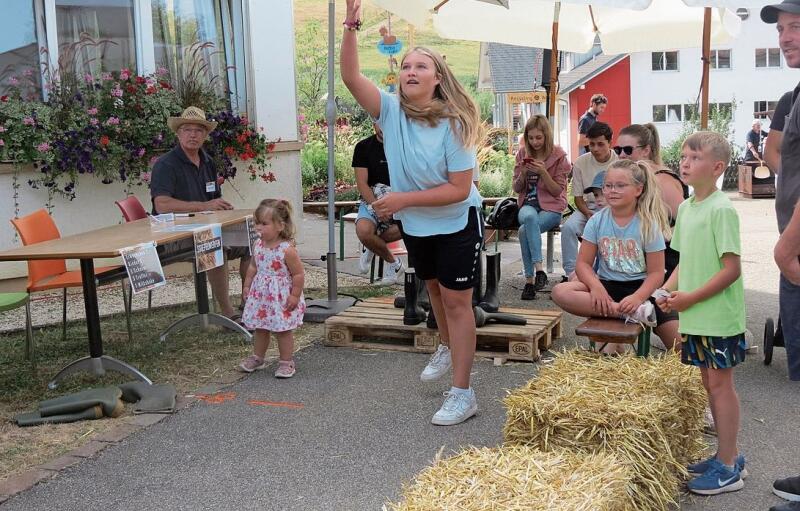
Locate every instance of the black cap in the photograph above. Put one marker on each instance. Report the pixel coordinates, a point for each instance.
(769, 13)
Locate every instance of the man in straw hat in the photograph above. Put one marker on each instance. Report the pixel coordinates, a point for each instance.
(185, 181)
(786, 16)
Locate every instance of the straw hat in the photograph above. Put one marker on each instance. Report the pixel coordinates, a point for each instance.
(191, 115)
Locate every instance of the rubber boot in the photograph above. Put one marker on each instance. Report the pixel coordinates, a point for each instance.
(422, 297)
(490, 301)
(431, 322)
(413, 314)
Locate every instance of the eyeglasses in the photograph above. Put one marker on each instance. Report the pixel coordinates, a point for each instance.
(628, 149)
(610, 187)
(193, 131)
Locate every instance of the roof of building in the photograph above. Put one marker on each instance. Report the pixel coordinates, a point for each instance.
(570, 81)
(508, 67)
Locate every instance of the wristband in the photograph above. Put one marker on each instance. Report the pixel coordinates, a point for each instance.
(352, 26)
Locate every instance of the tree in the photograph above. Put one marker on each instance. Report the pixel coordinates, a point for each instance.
(311, 60)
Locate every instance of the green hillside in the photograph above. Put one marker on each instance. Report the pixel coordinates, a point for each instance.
(462, 56)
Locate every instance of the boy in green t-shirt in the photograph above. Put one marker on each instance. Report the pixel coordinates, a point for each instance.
(707, 291)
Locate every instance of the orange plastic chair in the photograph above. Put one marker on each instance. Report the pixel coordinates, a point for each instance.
(49, 274)
(132, 209)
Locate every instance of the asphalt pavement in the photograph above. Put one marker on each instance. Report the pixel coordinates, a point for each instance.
(352, 426)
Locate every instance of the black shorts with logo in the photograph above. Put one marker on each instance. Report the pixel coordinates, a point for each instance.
(451, 258)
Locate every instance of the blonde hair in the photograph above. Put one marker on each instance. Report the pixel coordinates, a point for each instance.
(450, 101)
(649, 206)
(647, 135)
(539, 122)
(717, 145)
(281, 211)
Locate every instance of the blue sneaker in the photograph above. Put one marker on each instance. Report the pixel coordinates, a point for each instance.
(699, 468)
(717, 479)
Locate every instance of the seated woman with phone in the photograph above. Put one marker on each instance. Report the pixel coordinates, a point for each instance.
(540, 180)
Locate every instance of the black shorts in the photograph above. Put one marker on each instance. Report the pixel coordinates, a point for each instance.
(618, 290)
(450, 258)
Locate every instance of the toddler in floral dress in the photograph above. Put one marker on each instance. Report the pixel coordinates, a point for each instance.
(273, 287)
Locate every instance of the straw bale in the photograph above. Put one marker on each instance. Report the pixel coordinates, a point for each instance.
(647, 411)
(518, 478)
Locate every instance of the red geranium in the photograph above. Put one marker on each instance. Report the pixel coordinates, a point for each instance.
(4, 99)
(104, 140)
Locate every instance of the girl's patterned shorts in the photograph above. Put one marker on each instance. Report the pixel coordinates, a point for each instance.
(713, 352)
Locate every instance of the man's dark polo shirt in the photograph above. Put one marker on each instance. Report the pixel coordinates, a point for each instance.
(174, 175)
(369, 154)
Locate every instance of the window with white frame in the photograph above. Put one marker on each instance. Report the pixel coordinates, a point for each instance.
(96, 35)
(686, 112)
(720, 59)
(665, 60)
(763, 109)
(668, 113)
(768, 57)
(19, 48)
(142, 35)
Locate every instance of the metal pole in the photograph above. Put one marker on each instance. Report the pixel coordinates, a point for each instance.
(331, 116)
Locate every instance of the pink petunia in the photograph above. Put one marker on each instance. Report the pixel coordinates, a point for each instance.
(2, 142)
(146, 177)
(107, 76)
(2, 129)
(124, 74)
(116, 92)
(112, 121)
(140, 152)
(28, 121)
(43, 147)
(88, 78)
(161, 71)
(13, 81)
(92, 111)
(93, 121)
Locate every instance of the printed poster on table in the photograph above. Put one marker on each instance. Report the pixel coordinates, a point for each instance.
(252, 234)
(208, 247)
(143, 267)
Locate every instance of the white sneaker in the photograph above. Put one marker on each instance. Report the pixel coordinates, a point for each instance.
(457, 408)
(438, 365)
(645, 314)
(393, 272)
(365, 261)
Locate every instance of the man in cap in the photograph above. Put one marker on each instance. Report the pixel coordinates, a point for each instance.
(786, 16)
(185, 181)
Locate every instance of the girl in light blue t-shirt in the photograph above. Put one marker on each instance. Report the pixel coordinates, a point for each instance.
(627, 241)
(431, 128)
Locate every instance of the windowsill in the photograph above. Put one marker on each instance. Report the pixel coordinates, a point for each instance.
(7, 167)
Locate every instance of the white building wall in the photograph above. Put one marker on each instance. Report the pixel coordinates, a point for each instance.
(271, 76)
(743, 81)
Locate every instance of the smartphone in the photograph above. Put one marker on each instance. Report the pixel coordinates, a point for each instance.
(528, 161)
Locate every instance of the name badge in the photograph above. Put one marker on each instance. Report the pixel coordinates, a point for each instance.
(211, 186)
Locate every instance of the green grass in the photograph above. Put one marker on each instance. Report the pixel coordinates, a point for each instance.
(462, 56)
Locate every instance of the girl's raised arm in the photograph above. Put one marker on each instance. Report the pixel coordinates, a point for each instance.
(364, 91)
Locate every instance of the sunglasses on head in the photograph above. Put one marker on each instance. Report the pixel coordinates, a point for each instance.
(627, 149)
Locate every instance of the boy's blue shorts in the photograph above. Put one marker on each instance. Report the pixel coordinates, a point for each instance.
(713, 352)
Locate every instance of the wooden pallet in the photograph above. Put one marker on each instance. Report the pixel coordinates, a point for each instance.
(377, 324)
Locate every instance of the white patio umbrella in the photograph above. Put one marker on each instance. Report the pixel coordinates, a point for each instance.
(622, 26)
